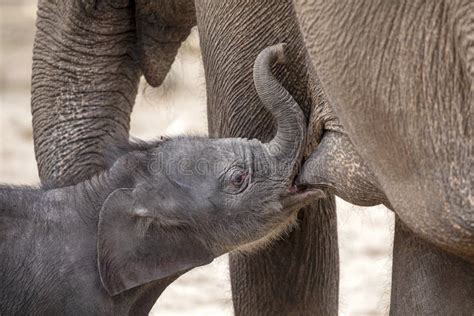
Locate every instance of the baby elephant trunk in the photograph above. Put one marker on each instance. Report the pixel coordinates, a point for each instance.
(287, 145)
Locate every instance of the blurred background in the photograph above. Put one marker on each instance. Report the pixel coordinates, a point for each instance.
(179, 107)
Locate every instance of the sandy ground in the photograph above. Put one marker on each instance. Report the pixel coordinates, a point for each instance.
(365, 234)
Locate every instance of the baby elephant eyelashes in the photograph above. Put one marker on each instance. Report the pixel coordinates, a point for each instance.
(238, 177)
(236, 180)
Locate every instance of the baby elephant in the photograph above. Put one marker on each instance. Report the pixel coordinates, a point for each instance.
(111, 245)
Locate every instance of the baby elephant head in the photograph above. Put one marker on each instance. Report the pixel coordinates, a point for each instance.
(194, 199)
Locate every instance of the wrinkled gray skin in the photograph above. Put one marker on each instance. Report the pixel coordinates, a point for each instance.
(88, 57)
(400, 77)
(358, 49)
(306, 261)
(111, 244)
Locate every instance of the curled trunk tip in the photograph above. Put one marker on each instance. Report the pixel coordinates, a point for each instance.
(280, 53)
(288, 142)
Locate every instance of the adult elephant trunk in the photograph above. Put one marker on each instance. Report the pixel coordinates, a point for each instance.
(84, 85)
(289, 139)
(87, 60)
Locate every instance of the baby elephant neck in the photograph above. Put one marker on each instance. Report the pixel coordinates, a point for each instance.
(91, 194)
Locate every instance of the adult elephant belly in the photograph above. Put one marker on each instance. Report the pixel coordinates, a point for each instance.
(397, 75)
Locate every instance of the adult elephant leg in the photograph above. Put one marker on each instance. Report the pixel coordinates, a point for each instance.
(298, 274)
(86, 67)
(427, 280)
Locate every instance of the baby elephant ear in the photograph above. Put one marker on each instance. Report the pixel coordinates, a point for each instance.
(132, 250)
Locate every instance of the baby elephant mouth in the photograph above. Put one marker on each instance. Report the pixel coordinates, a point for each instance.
(299, 196)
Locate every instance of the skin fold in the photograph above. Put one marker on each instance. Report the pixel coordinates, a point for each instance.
(337, 167)
(111, 244)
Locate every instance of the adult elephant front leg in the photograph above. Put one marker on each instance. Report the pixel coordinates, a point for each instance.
(297, 275)
(87, 61)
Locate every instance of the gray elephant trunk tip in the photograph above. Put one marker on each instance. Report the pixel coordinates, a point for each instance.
(280, 52)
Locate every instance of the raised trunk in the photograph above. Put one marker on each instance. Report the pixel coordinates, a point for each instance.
(297, 275)
(287, 145)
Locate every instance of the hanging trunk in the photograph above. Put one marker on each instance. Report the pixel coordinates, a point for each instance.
(83, 86)
(86, 68)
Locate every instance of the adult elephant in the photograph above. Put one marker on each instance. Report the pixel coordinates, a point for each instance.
(88, 57)
(400, 77)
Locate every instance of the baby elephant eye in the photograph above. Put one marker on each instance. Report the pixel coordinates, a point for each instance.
(238, 177)
(236, 180)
